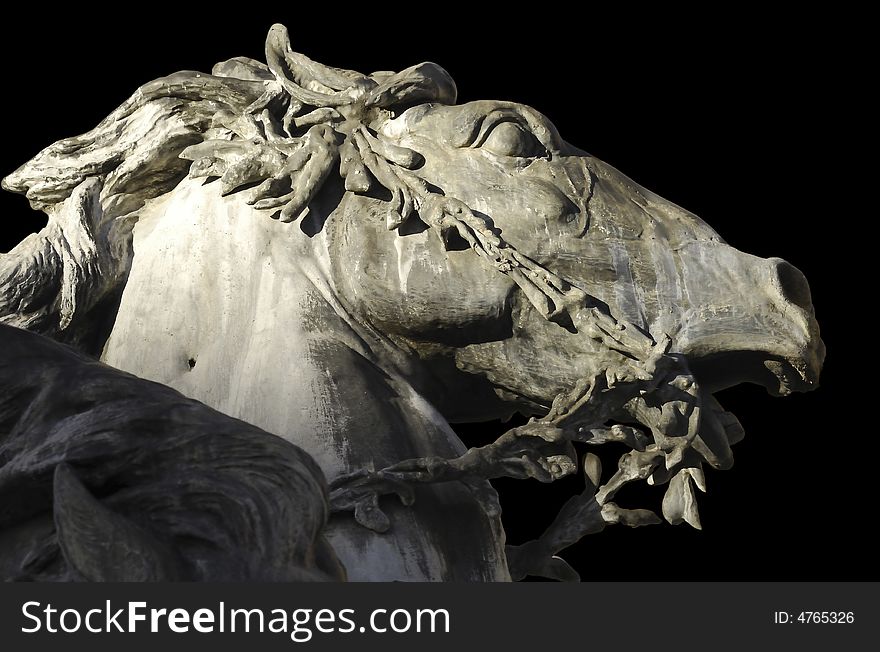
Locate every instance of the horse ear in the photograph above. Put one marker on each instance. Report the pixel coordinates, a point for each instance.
(101, 545)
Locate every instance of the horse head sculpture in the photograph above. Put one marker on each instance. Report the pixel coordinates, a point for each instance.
(354, 261)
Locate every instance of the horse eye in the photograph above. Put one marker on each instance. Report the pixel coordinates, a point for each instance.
(510, 139)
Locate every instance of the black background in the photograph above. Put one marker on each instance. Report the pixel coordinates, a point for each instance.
(739, 117)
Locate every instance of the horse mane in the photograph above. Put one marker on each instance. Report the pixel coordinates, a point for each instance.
(284, 127)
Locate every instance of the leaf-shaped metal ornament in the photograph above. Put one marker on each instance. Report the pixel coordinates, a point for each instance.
(679, 502)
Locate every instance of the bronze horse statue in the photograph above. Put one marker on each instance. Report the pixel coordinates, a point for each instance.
(351, 263)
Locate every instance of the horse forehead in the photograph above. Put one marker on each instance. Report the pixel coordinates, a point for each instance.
(457, 125)
(618, 207)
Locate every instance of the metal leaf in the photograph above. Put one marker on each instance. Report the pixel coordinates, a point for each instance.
(680, 503)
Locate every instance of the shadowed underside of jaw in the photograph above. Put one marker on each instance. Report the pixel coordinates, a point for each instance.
(779, 376)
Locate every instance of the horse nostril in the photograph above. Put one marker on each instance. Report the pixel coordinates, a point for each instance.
(793, 285)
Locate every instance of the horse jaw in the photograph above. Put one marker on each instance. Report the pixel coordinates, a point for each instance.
(742, 325)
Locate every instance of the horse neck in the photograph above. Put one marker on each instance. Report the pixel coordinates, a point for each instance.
(239, 312)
